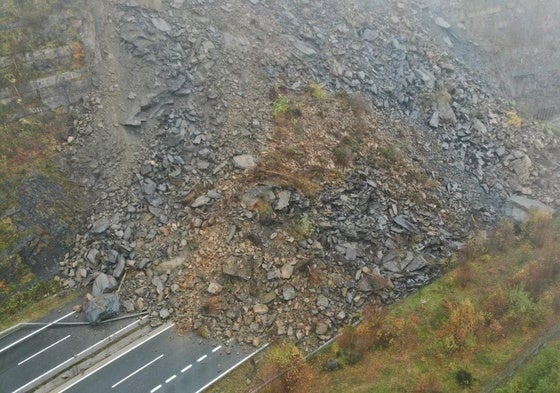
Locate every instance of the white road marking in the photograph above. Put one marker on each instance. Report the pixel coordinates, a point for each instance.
(115, 358)
(137, 371)
(35, 332)
(231, 369)
(43, 350)
(22, 388)
(72, 358)
(216, 349)
(186, 368)
(110, 336)
(158, 387)
(200, 359)
(171, 378)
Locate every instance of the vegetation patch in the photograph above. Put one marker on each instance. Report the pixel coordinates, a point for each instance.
(457, 334)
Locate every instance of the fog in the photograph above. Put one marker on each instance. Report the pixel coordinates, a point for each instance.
(518, 40)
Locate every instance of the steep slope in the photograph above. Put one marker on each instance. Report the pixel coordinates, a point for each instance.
(267, 167)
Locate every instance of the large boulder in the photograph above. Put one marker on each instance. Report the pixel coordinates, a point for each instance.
(517, 207)
(102, 307)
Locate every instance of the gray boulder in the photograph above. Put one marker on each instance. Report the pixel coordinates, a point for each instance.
(103, 283)
(102, 307)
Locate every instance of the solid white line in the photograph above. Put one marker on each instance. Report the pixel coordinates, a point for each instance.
(137, 371)
(110, 336)
(43, 350)
(22, 388)
(217, 348)
(35, 332)
(67, 360)
(158, 387)
(200, 359)
(186, 368)
(231, 369)
(115, 358)
(171, 378)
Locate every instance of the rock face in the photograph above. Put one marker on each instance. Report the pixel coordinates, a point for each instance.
(208, 234)
(517, 207)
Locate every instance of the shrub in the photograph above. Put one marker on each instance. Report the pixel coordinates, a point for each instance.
(523, 311)
(463, 275)
(464, 378)
(513, 119)
(317, 91)
(285, 364)
(463, 321)
(503, 238)
(279, 107)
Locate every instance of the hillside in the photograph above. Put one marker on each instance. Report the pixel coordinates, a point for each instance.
(260, 169)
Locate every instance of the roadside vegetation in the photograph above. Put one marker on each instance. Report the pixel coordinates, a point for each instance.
(38, 38)
(455, 334)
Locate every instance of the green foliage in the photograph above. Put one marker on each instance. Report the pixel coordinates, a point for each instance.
(317, 91)
(22, 299)
(279, 107)
(302, 227)
(523, 311)
(541, 375)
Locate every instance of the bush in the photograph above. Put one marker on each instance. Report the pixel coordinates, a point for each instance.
(523, 311)
(279, 107)
(463, 321)
(464, 378)
(317, 91)
(285, 364)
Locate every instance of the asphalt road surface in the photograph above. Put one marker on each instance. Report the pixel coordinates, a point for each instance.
(30, 352)
(163, 362)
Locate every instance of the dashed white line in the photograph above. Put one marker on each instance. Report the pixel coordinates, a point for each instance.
(186, 368)
(137, 371)
(43, 350)
(231, 369)
(171, 378)
(35, 332)
(22, 388)
(158, 387)
(200, 359)
(216, 349)
(88, 374)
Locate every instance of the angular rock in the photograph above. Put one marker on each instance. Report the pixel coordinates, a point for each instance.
(288, 292)
(103, 283)
(260, 308)
(200, 201)
(283, 200)
(214, 288)
(244, 161)
(102, 307)
(101, 225)
(321, 328)
(517, 207)
(286, 271)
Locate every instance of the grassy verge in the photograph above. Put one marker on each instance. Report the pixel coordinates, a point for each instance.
(540, 375)
(454, 335)
(33, 305)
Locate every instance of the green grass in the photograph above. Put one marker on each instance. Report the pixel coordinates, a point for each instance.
(39, 303)
(540, 375)
(280, 106)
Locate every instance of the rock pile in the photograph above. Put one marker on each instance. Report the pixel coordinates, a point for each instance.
(207, 244)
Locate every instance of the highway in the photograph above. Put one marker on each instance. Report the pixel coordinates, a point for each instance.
(160, 361)
(164, 362)
(30, 352)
